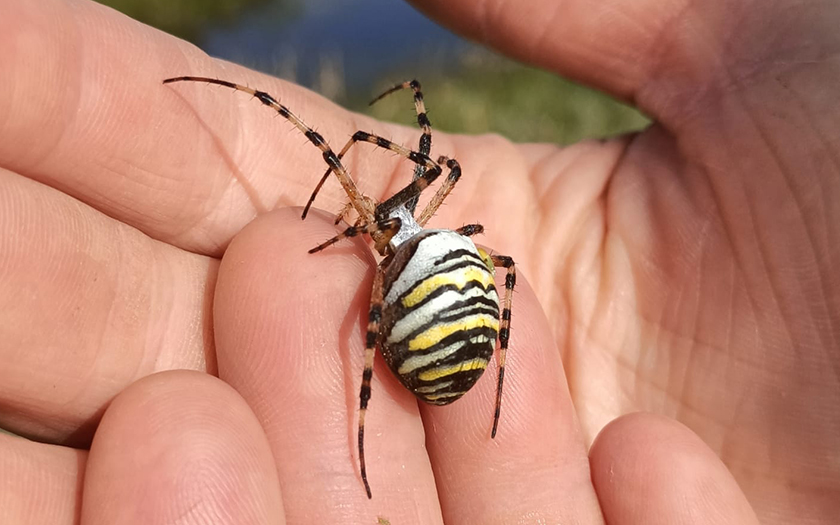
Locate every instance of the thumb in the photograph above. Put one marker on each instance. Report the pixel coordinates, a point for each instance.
(667, 57)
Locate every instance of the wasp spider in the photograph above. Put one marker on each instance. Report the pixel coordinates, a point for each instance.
(434, 310)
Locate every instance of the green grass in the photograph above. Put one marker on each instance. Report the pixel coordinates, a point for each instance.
(522, 103)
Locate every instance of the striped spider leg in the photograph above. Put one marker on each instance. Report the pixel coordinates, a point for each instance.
(424, 147)
(411, 192)
(504, 331)
(364, 206)
(434, 310)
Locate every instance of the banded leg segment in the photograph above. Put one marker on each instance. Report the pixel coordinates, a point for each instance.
(387, 227)
(412, 191)
(442, 192)
(504, 329)
(425, 145)
(415, 187)
(422, 119)
(314, 137)
(371, 340)
(421, 159)
(323, 179)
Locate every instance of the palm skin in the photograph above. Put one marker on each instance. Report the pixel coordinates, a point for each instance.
(686, 271)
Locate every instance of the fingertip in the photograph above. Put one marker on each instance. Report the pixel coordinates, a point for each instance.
(180, 444)
(535, 466)
(648, 469)
(55, 473)
(271, 287)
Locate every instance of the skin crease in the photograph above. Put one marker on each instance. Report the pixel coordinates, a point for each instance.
(687, 271)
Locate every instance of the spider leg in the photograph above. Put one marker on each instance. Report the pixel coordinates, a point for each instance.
(323, 179)
(387, 227)
(341, 215)
(314, 137)
(371, 340)
(504, 329)
(415, 187)
(424, 147)
(318, 187)
(442, 192)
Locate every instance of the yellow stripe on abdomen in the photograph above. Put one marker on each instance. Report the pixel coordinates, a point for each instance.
(459, 278)
(437, 333)
(445, 395)
(465, 366)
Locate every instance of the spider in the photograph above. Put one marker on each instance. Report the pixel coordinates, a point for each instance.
(434, 310)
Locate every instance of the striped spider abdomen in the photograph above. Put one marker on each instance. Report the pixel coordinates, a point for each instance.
(440, 315)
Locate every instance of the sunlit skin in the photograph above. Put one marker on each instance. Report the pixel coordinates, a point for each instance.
(688, 271)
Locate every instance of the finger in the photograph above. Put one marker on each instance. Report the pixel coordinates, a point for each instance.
(290, 338)
(649, 470)
(187, 164)
(40, 483)
(670, 57)
(536, 468)
(607, 45)
(88, 305)
(180, 447)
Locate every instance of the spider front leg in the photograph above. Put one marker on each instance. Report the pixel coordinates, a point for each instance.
(334, 162)
(421, 159)
(414, 188)
(320, 185)
(424, 147)
(504, 328)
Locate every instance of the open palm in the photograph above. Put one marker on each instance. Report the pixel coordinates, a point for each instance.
(687, 271)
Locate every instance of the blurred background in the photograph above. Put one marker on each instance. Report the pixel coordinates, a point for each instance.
(351, 50)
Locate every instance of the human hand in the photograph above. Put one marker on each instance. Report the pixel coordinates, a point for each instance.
(680, 274)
